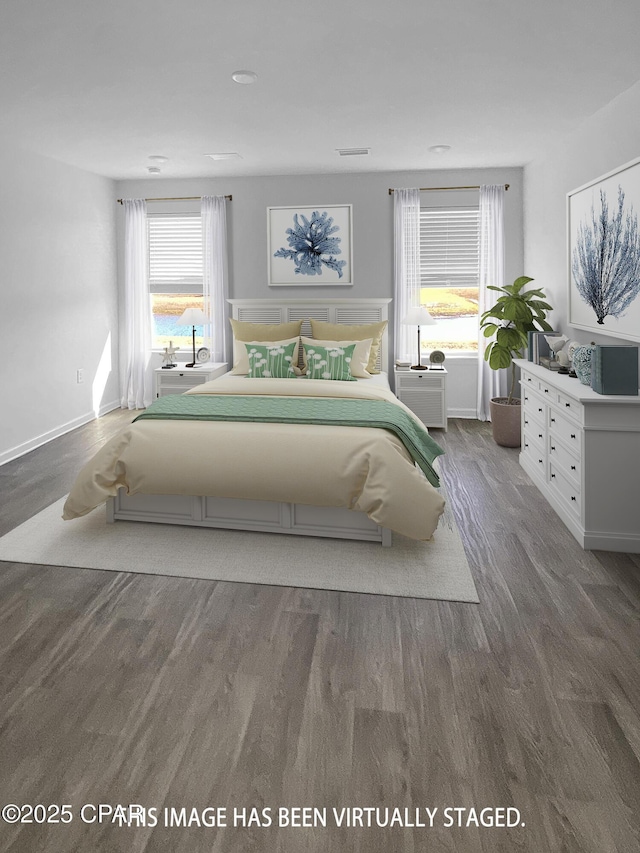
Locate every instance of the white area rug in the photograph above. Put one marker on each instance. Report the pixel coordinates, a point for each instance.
(436, 569)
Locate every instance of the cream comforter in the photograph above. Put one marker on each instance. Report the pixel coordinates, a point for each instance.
(366, 469)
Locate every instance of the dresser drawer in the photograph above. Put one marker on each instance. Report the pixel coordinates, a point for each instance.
(534, 451)
(570, 407)
(546, 390)
(569, 492)
(534, 407)
(534, 414)
(533, 439)
(566, 430)
(564, 461)
(535, 434)
(419, 381)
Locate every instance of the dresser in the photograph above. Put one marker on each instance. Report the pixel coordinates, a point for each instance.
(177, 380)
(425, 393)
(582, 450)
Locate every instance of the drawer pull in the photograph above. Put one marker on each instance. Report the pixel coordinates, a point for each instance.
(573, 435)
(573, 497)
(573, 467)
(526, 444)
(526, 421)
(568, 405)
(540, 461)
(553, 420)
(553, 447)
(553, 476)
(539, 410)
(528, 379)
(546, 390)
(539, 435)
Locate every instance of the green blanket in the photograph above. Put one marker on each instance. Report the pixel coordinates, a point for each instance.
(303, 410)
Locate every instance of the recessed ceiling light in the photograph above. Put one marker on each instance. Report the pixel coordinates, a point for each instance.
(229, 155)
(245, 77)
(439, 149)
(153, 170)
(158, 158)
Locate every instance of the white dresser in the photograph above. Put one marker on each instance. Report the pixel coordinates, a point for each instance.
(582, 450)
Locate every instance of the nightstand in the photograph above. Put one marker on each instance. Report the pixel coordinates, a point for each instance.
(425, 393)
(179, 379)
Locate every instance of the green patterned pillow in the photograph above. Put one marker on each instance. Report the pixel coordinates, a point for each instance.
(271, 362)
(329, 362)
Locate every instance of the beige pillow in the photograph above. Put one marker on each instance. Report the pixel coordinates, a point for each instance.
(359, 359)
(260, 333)
(241, 359)
(243, 331)
(359, 332)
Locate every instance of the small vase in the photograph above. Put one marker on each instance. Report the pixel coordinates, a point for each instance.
(582, 364)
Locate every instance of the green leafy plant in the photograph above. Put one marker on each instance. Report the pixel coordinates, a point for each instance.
(515, 313)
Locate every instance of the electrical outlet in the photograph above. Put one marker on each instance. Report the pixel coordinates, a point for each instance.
(80, 375)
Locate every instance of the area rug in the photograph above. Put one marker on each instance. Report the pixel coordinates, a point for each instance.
(437, 569)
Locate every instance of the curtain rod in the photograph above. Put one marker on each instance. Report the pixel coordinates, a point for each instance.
(180, 198)
(439, 189)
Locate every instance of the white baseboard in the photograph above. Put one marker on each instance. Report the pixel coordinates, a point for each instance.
(45, 437)
(462, 413)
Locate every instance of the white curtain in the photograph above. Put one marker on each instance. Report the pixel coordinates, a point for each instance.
(406, 231)
(215, 279)
(136, 380)
(491, 383)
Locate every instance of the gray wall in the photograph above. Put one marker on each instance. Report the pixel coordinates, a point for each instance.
(608, 139)
(372, 234)
(58, 299)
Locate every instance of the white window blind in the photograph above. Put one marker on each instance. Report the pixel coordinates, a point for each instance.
(449, 246)
(175, 253)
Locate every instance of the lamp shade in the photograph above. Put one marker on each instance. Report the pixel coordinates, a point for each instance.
(418, 316)
(193, 317)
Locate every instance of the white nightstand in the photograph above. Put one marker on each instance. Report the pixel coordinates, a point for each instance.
(425, 393)
(179, 379)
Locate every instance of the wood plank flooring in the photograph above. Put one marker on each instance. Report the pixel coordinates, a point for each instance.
(164, 692)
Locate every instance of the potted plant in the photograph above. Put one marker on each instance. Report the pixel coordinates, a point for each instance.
(516, 312)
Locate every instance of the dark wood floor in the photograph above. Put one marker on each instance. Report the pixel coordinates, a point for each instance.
(164, 692)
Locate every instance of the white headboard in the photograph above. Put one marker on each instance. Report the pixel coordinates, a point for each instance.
(348, 311)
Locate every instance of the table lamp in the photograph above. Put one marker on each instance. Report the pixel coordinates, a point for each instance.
(418, 316)
(193, 317)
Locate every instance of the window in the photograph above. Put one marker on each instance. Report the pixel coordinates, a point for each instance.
(449, 276)
(175, 276)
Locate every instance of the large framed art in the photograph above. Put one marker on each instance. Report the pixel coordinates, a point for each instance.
(310, 245)
(604, 254)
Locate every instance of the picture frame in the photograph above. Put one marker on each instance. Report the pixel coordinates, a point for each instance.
(310, 245)
(603, 247)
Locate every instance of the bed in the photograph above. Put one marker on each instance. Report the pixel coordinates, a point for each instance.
(223, 465)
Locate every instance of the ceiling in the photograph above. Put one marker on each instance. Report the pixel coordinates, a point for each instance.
(103, 86)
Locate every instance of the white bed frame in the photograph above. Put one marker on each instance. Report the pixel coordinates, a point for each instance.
(269, 516)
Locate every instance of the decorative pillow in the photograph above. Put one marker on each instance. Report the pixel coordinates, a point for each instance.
(329, 362)
(241, 362)
(248, 332)
(271, 361)
(360, 357)
(360, 332)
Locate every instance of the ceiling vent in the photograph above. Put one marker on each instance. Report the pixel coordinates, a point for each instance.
(353, 152)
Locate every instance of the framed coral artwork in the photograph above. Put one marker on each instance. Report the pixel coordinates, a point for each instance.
(310, 246)
(604, 254)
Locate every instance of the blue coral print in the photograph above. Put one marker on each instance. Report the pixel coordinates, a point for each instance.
(606, 258)
(311, 244)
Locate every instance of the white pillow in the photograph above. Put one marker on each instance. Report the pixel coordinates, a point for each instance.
(241, 360)
(359, 359)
